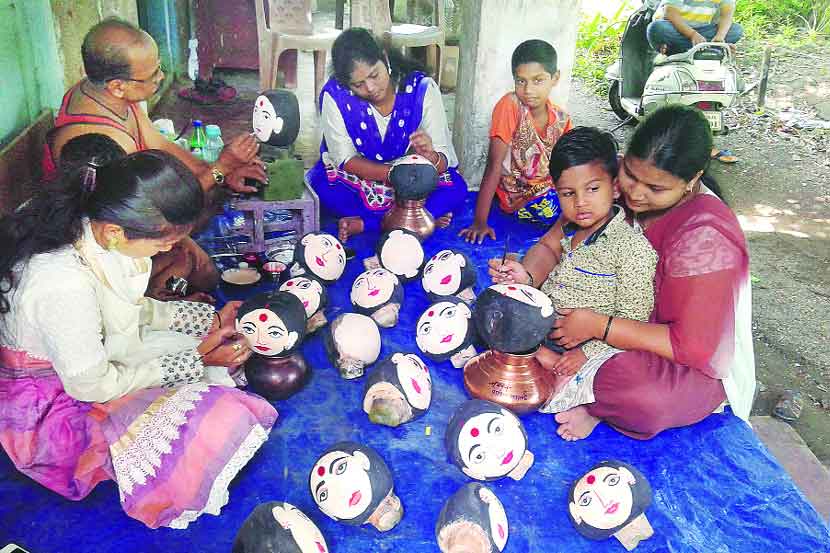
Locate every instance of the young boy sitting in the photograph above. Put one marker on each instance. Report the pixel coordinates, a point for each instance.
(524, 128)
(606, 264)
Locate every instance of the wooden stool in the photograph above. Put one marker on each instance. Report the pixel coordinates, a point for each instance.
(305, 218)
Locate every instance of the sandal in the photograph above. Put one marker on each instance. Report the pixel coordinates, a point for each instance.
(724, 156)
(789, 407)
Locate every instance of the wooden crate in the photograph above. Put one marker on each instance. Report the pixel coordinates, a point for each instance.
(305, 218)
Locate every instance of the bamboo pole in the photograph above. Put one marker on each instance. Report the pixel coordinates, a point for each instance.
(762, 88)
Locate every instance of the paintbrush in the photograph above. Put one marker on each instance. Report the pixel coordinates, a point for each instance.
(506, 247)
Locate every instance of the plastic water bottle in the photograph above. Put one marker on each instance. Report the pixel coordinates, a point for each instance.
(198, 140)
(214, 144)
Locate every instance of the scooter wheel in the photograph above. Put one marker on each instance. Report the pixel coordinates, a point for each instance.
(615, 100)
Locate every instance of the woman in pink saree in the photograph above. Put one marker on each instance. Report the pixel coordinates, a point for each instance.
(98, 381)
(696, 351)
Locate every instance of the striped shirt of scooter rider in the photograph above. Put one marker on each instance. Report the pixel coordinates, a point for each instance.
(695, 12)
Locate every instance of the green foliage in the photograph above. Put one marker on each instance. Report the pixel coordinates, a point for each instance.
(781, 17)
(598, 45)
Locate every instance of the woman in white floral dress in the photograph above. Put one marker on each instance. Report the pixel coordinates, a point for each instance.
(99, 382)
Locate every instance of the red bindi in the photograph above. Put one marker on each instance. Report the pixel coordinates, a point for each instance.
(474, 432)
(511, 287)
(261, 103)
(290, 283)
(263, 317)
(337, 246)
(321, 471)
(591, 479)
(431, 313)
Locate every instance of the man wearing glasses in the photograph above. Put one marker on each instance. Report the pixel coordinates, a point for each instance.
(123, 68)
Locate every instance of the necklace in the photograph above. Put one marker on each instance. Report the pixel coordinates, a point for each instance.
(123, 118)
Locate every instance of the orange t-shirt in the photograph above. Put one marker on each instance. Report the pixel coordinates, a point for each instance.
(525, 171)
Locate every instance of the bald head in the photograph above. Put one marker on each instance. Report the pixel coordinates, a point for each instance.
(106, 49)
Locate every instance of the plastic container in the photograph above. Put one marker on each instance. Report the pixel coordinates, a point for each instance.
(198, 140)
(213, 144)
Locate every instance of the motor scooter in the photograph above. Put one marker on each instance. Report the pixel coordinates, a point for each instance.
(641, 80)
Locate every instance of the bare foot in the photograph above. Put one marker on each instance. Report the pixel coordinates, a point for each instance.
(575, 424)
(349, 226)
(444, 220)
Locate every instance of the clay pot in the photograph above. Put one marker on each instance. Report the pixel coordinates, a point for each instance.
(410, 215)
(276, 378)
(516, 382)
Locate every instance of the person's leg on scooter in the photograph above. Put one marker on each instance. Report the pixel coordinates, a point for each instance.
(665, 38)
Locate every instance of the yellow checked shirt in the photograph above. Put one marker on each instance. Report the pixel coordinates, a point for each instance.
(610, 272)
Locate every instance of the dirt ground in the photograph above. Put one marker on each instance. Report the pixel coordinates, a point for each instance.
(780, 189)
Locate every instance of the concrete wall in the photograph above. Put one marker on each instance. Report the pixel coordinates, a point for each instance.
(490, 30)
(29, 81)
(74, 18)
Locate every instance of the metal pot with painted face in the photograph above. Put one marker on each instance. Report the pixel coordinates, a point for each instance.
(351, 483)
(398, 390)
(414, 178)
(278, 527)
(274, 325)
(513, 319)
(472, 520)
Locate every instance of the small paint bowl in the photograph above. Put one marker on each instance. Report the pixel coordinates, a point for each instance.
(274, 270)
(244, 276)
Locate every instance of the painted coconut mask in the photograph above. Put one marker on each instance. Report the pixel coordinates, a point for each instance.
(449, 273)
(320, 254)
(414, 177)
(445, 331)
(472, 520)
(276, 118)
(610, 500)
(277, 527)
(351, 483)
(398, 390)
(488, 442)
(400, 252)
(353, 341)
(379, 294)
(513, 318)
(272, 323)
(313, 296)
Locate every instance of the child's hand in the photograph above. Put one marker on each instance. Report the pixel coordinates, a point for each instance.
(477, 232)
(509, 272)
(570, 362)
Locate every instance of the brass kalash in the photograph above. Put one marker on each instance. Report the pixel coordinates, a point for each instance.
(414, 178)
(513, 320)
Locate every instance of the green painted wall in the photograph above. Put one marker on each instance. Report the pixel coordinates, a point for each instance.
(30, 76)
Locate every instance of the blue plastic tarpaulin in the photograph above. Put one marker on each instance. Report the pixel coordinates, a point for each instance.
(716, 487)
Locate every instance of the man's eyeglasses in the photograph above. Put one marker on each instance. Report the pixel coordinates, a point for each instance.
(148, 80)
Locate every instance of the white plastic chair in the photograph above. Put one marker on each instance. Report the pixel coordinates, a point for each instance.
(287, 26)
(375, 15)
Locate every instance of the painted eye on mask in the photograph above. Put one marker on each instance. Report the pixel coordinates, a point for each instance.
(425, 328)
(248, 328)
(585, 500)
(479, 458)
(275, 333)
(449, 313)
(341, 468)
(323, 495)
(612, 480)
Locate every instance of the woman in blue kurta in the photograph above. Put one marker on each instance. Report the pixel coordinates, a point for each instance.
(372, 113)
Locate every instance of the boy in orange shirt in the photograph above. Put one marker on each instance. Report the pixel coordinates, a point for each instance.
(525, 126)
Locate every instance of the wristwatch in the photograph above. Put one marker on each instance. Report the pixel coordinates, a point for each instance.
(218, 176)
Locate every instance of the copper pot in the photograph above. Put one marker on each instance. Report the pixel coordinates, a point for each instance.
(517, 382)
(409, 215)
(277, 378)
